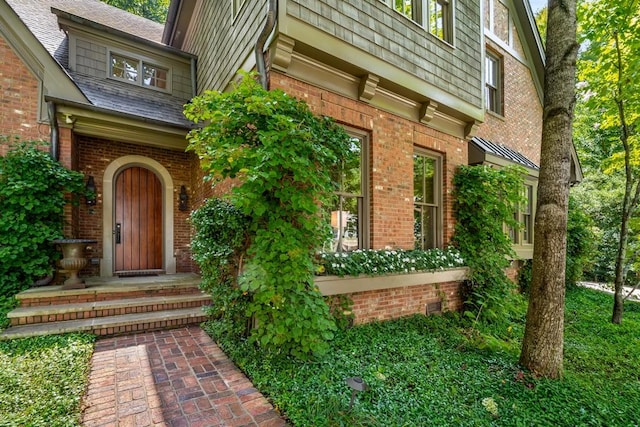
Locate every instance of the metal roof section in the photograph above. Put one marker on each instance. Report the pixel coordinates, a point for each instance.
(488, 147)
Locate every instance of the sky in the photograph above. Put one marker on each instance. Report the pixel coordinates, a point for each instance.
(536, 5)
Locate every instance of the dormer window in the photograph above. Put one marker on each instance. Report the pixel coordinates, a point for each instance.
(138, 72)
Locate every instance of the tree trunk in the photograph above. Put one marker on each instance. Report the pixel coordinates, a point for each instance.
(543, 339)
(630, 201)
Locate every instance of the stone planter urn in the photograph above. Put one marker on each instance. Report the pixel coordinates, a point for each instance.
(73, 260)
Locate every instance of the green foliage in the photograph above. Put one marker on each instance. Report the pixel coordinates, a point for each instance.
(484, 201)
(282, 156)
(580, 242)
(33, 190)
(424, 371)
(43, 379)
(541, 23)
(379, 262)
(6, 305)
(580, 248)
(156, 10)
(524, 276)
(219, 244)
(609, 74)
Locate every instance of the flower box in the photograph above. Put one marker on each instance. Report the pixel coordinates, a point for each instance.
(335, 285)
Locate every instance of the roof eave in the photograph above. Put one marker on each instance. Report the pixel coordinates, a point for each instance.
(62, 15)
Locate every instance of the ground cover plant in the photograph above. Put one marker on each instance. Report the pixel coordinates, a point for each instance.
(42, 379)
(429, 371)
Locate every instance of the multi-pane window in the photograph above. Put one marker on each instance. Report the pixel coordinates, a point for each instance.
(426, 200)
(138, 72)
(435, 15)
(524, 216)
(349, 210)
(493, 83)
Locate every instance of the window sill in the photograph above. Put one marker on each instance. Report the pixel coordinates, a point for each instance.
(335, 285)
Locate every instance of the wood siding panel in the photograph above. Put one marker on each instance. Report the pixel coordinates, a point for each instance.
(222, 42)
(378, 30)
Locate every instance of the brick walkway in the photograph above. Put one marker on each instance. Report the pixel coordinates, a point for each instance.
(170, 378)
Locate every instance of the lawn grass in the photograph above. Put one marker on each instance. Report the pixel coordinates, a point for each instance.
(427, 371)
(42, 379)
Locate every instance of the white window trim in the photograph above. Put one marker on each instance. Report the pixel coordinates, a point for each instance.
(499, 61)
(141, 61)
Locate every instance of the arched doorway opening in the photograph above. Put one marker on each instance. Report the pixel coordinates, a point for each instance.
(137, 213)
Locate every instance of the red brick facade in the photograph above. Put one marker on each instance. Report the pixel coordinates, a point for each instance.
(520, 126)
(19, 97)
(94, 155)
(392, 143)
(397, 302)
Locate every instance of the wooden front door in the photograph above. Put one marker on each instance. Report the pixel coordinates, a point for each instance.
(138, 221)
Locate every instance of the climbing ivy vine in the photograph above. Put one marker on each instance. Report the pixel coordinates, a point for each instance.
(485, 200)
(34, 189)
(284, 159)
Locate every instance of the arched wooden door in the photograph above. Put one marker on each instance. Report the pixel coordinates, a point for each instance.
(138, 221)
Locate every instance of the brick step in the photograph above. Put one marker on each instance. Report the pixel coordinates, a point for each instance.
(98, 289)
(112, 325)
(103, 308)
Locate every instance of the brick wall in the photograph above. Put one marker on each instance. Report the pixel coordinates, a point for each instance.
(392, 142)
(392, 303)
(18, 99)
(521, 126)
(94, 155)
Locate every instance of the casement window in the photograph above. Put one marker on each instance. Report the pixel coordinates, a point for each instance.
(436, 16)
(493, 83)
(427, 205)
(138, 72)
(349, 212)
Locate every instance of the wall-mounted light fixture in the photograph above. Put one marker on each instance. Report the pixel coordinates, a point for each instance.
(90, 191)
(183, 199)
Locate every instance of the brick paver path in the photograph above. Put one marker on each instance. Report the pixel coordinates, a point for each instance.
(170, 378)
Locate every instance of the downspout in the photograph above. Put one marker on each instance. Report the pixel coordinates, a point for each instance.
(262, 39)
(54, 150)
(194, 79)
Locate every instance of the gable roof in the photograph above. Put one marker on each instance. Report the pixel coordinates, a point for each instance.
(41, 17)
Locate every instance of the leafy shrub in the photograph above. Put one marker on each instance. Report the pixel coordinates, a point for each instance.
(484, 201)
(580, 242)
(524, 276)
(385, 261)
(6, 305)
(219, 244)
(284, 157)
(33, 189)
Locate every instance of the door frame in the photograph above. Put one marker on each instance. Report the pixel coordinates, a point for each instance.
(108, 211)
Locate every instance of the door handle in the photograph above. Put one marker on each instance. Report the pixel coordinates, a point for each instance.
(118, 233)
